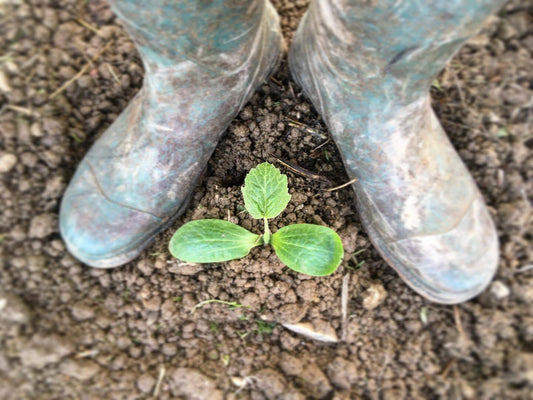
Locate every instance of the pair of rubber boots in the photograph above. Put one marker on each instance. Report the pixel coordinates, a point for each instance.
(367, 66)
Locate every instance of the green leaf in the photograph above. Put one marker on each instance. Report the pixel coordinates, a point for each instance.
(211, 240)
(310, 249)
(265, 191)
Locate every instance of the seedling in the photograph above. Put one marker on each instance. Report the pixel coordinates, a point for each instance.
(310, 249)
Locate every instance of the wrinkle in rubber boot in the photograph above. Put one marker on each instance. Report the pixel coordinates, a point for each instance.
(367, 67)
(203, 61)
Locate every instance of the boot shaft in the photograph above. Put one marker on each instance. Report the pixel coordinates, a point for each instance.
(393, 44)
(168, 32)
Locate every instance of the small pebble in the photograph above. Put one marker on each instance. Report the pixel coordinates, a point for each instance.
(4, 83)
(374, 296)
(7, 162)
(82, 370)
(42, 225)
(145, 383)
(82, 312)
(153, 304)
(499, 290)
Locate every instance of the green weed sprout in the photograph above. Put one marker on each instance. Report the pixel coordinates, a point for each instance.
(310, 249)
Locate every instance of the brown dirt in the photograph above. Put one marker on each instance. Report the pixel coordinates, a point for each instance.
(68, 331)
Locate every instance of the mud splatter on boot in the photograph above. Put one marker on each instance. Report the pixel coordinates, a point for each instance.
(367, 67)
(203, 61)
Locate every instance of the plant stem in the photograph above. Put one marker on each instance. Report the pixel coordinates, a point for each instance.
(266, 236)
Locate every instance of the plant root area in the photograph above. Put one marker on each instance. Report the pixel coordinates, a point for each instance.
(251, 328)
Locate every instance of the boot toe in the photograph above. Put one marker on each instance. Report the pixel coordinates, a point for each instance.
(99, 231)
(452, 266)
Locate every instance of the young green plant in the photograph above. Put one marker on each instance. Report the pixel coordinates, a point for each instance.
(310, 249)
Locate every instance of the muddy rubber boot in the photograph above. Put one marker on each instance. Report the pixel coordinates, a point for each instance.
(203, 61)
(367, 66)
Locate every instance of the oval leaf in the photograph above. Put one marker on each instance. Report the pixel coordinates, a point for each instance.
(265, 191)
(211, 240)
(310, 249)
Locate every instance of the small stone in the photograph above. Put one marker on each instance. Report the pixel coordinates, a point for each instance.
(499, 290)
(306, 290)
(246, 114)
(374, 296)
(526, 330)
(82, 370)
(135, 352)
(319, 330)
(51, 158)
(506, 31)
(521, 22)
(145, 266)
(43, 225)
(516, 95)
(52, 126)
(36, 263)
(50, 19)
(521, 368)
(241, 131)
(467, 391)
(35, 130)
(169, 349)
(349, 238)
(192, 385)
(4, 83)
(291, 365)
(13, 309)
(512, 215)
(270, 382)
(12, 67)
(54, 187)
(238, 381)
(42, 34)
(145, 383)
(153, 304)
(252, 301)
(7, 162)
(8, 129)
(44, 350)
(342, 373)
(315, 381)
(84, 82)
(288, 341)
(81, 312)
(29, 159)
(291, 313)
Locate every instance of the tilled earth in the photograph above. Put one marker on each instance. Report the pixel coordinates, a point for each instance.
(68, 331)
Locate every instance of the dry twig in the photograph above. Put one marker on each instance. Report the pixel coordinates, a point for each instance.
(81, 72)
(299, 170)
(341, 186)
(162, 372)
(448, 367)
(344, 303)
(88, 26)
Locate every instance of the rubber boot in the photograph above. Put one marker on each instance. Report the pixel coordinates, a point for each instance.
(203, 61)
(367, 67)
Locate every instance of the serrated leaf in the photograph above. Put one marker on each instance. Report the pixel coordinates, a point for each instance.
(211, 240)
(310, 249)
(265, 191)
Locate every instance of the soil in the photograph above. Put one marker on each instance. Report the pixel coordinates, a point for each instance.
(68, 331)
